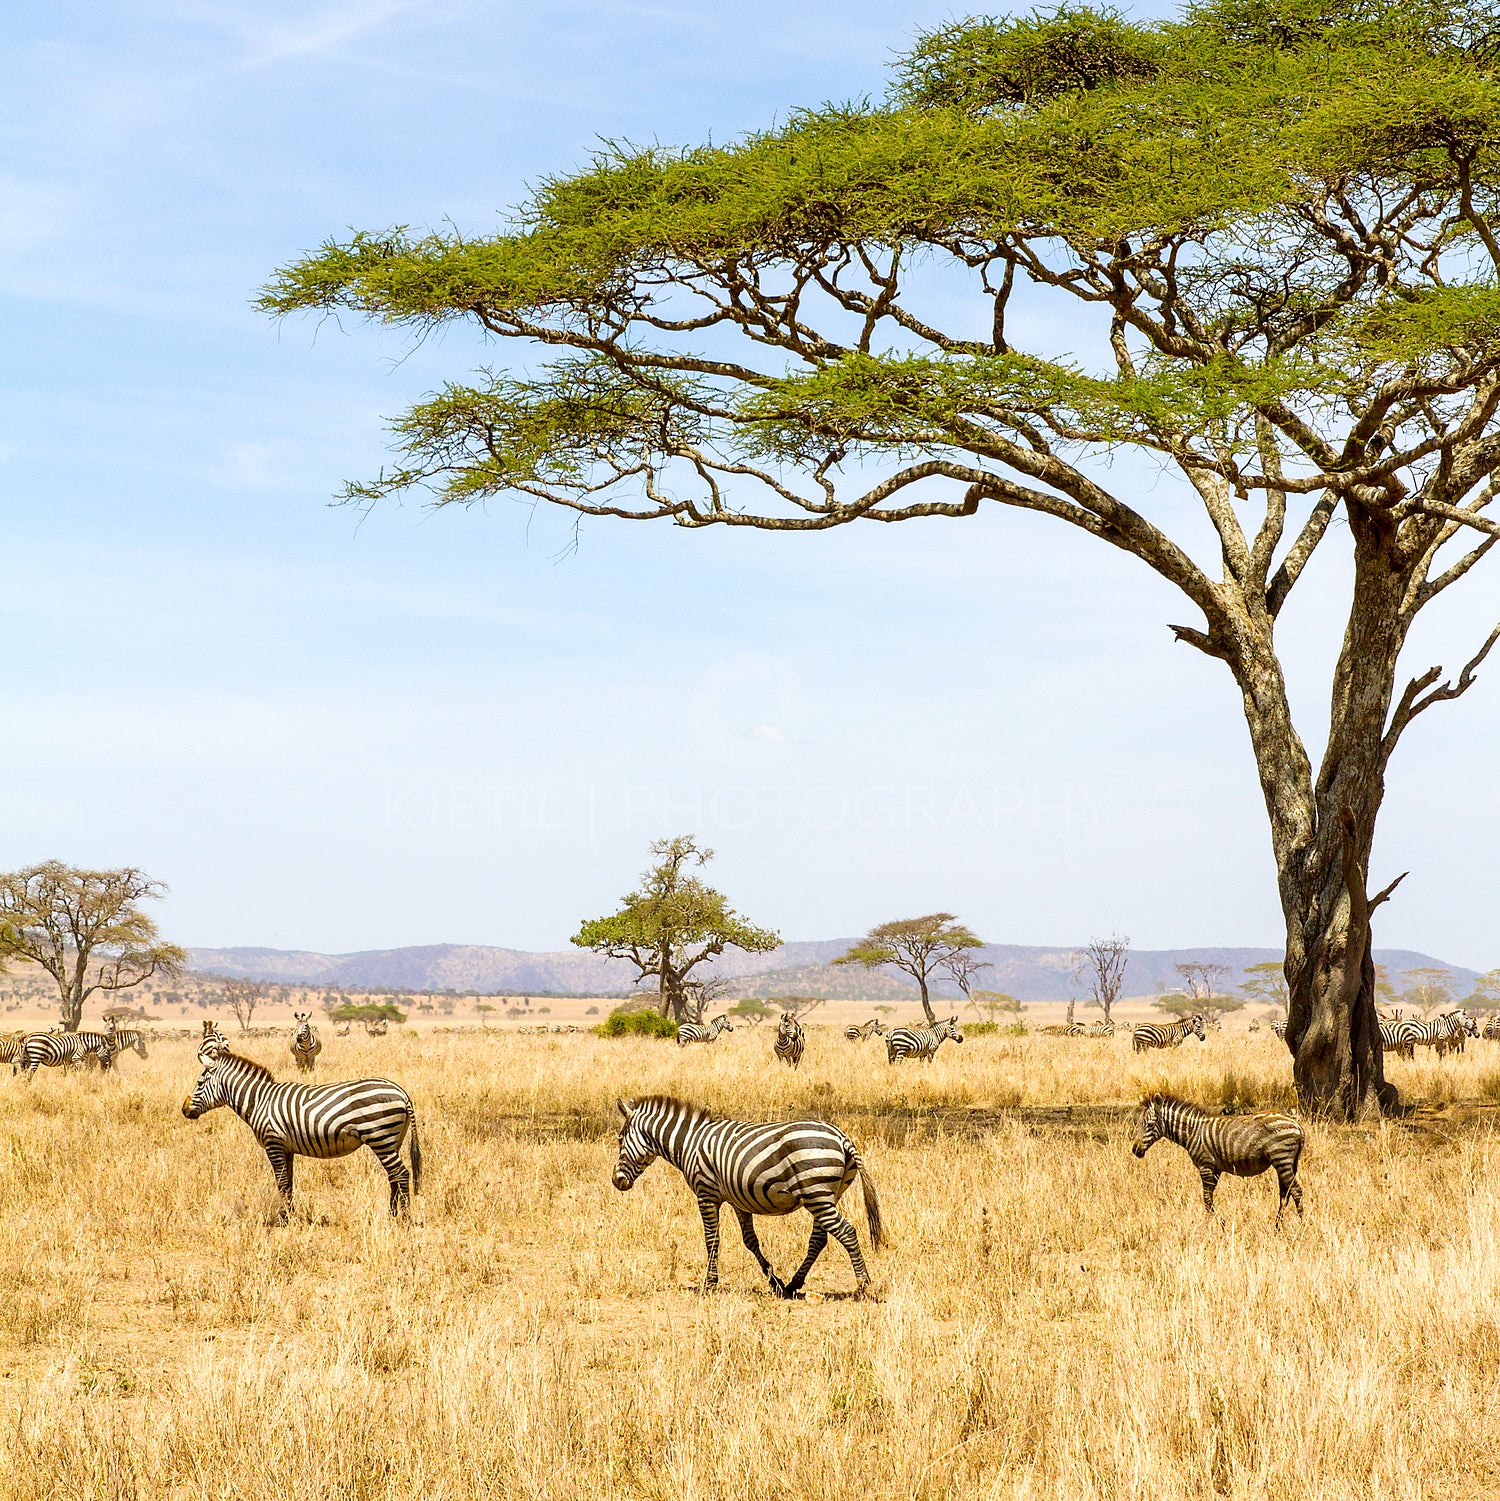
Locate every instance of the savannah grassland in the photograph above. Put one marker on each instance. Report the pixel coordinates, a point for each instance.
(1052, 1317)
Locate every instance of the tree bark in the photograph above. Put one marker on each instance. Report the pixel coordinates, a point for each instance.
(926, 1002)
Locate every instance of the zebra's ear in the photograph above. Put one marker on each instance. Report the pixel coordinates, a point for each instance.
(1156, 1099)
(620, 1106)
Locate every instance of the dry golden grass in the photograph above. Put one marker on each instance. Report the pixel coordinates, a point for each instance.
(1054, 1319)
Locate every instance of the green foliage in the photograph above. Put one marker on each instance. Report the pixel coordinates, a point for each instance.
(1175, 1003)
(368, 1012)
(623, 1023)
(1266, 982)
(750, 1006)
(985, 1029)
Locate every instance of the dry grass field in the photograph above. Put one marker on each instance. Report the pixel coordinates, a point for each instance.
(1053, 1318)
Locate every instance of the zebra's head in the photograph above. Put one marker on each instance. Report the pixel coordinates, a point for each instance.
(723, 1024)
(636, 1150)
(949, 1028)
(1196, 1028)
(787, 1026)
(1470, 1023)
(208, 1092)
(1151, 1129)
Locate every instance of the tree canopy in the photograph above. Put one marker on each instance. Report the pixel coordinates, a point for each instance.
(918, 946)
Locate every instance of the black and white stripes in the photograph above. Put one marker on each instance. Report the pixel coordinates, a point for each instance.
(775, 1168)
(306, 1044)
(790, 1039)
(865, 1030)
(698, 1032)
(1172, 1035)
(63, 1050)
(920, 1042)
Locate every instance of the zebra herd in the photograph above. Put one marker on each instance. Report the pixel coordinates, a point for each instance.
(901, 1043)
(26, 1052)
(1445, 1033)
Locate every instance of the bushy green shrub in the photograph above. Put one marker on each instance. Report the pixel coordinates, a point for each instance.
(636, 1024)
(980, 1029)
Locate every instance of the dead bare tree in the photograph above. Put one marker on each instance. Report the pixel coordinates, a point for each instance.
(1102, 964)
(242, 997)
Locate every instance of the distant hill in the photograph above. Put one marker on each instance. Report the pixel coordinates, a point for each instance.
(1029, 973)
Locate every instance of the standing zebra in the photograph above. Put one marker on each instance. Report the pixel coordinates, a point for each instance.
(865, 1030)
(1443, 1032)
(1245, 1145)
(312, 1120)
(376, 1028)
(306, 1044)
(63, 1050)
(10, 1049)
(1102, 1029)
(775, 1168)
(696, 1031)
(1155, 1035)
(920, 1042)
(1278, 1028)
(1063, 1029)
(790, 1040)
(1491, 1031)
(126, 1039)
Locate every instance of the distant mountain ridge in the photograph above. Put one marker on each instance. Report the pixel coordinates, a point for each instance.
(1030, 973)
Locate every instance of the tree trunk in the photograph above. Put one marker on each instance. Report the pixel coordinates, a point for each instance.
(926, 1001)
(1072, 1004)
(72, 1008)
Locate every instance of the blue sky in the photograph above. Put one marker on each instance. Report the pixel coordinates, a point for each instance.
(424, 727)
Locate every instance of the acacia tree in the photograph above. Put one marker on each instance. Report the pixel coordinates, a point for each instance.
(1266, 982)
(1271, 231)
(242, 997)
(86, 929)
(918, 946)
(1428, 988)
(670, 925)
(1102, 963)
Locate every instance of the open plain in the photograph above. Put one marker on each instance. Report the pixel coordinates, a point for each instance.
(1051, 1319)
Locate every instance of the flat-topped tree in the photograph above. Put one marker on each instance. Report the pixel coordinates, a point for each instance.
(670, 925)
(919, 946)
(1272, 231)
(86, 928)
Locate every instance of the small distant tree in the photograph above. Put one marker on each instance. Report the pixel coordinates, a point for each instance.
(1178, 1003)
(242, 997)
(916, 945)
(751, 1008)
(671, 924)
(368, 1011)
(1102, 964)
(993, 1004)
(962, 966)
(798, 1005)
(1428, 988)
(1266, 982)
(1201, 981)
(86, 928)
(1486, 993)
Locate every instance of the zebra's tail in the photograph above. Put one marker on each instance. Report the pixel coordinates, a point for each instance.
(416, 1155)
(872, 1205)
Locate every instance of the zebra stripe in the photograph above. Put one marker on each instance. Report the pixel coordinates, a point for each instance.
(865, 1030)
(776, 1168)
(312, 1120)
(1491, 1031)
(1102, 1029)
(1442, 1033)
(697, 1032)
(1064, 1029)
(790, 1040)
(127, 1040)
(306, 1044)
(1155, 1035)
(1245, 1145)
(1278, 1028)
(63, 1050)
(920, 1042)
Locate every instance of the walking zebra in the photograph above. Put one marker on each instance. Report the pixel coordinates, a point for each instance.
(1245, 1145)
(865, 1031)
(697, 1032)
(790, 1040)
(920, 1042)
(306, 1044)
(126, 1039)
(63, 1050)
(776, 1168)
(1155, 1035)
(312, 1120)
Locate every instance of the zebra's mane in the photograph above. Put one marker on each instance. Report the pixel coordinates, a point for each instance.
(1171, 1099)
(695, 1113)
(258, 1069)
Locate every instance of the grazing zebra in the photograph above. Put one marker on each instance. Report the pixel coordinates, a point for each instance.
(1155, 1035)
(1491, 1031)
(344, 1030)
(865, 1031)
(920, 1042)
(126, 1039)
(1443, 1032)
(696, 1031)
(790, 1040)
(1064, 1029)
(775, 1168)
(312, 1120)
(376, 1029)
(306, 1044)
(1102, 1029)
(1245, 1145)
(63, 1050)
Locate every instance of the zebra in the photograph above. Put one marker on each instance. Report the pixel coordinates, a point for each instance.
(1064, 1029)
(312, 1120)
(1254, 1026)
(64, 1050)
(10, 1049)
(1491, 1031)
(697, 1032)
(1443, 1032)
(126, 1039)
(920, 1042)
(866, 1030)
(306, 1044)
(1102, 1029)
(344, 1030)
(1245, 1145)
(211, 1032)
(1155, 1035)
(1278, 1028)
(790, 1040)
(376, 1028)
(773, 1168)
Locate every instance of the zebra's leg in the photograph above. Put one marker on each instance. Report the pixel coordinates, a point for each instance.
(752, 1245)
(1210, 1177)
(397, 1175)
(709, 1209)
(834, 1224)
(1290, 1189)
(281, 1165)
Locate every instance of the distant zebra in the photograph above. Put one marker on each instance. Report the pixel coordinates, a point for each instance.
(1064, 1029)
(1102, 1029)
(1254, 1026)
(1156, 1035)
(1278, 1028)
(865, 1030)
(1442, 1033)
(63, 1050)
(1245, 1145)
(920, 1042)
(312, 1120)
(306, 1044)
(126, 1039)
(1491, 1031)
(696, 1031)
(775, 1168)
(344, 1030)
(790, 1040)
(376, 1028)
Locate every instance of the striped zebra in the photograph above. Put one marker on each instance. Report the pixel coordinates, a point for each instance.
(1063, 1029)
(1102, 1029)
(1491, 1031)
(790, 1040)
(63, 1050)
(920, 1042)
(126, 1039)
(1278, 1028)
(776, 1168)
(1245, 1145)
(306, 1044)
(697, 1032)
(10, 1049)
(1442, 1032)
(312, 1120)
(865, 1031)
(1173, 1035)
(211, 1032)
